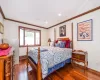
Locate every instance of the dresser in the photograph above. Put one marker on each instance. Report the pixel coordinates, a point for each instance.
(6, 67)
(80, 56)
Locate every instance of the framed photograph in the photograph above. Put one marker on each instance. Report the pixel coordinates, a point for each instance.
(62, 31)
(1, 28)
(84, 30)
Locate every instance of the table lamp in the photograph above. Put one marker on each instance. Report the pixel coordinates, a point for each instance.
(49, 40)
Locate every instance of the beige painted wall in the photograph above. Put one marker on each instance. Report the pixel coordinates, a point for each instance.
(92, 47)
(11, 33)
(2, 21)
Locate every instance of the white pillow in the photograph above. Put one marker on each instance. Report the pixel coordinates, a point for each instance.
(59, 42)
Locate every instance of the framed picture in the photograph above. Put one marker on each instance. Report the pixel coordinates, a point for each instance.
(1, 28)
(84, 30)
(62, 31)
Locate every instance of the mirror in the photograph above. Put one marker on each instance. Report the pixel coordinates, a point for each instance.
(1, 28)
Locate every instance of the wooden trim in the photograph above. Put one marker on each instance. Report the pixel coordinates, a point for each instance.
(24, 36)
(29, 45)
(27, 59)
(1, 11)
(40, 38)
(2, 72)
(94, 71)
(2, 27)
(92, 10)
(91, 70)
(34, 38)
(72, 36)
(89, 11)
(29, 28)
(19, 35)
(63, 39)
(24, 23)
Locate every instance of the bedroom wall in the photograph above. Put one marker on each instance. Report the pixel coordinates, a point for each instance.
(2, 21)
(92, 47)
(11, 33)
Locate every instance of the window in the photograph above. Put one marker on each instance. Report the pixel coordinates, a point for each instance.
(30, 37)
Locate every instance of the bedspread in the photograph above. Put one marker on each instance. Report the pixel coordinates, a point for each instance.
(50, 57)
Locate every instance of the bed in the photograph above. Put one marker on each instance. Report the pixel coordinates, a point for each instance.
(48, 59)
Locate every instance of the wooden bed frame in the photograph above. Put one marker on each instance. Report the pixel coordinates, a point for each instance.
(37, 66)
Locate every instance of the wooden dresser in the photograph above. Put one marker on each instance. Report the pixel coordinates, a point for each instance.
(6, 67)
(80, 56)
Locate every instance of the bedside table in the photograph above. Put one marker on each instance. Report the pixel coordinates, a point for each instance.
(80, 56)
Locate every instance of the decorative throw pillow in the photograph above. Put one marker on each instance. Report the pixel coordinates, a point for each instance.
(57, 45)
(59, 42)
(56, 41)
(62, 44)
(68, 44)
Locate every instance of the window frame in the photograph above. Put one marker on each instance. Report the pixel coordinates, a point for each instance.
(25, 28)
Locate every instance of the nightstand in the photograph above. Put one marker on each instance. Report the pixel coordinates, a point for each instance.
(80, 56)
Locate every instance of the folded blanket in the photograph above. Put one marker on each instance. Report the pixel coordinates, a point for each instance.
(42, 49)
(5, 52)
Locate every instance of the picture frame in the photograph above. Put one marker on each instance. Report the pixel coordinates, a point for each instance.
(62, 31)
(85, 30)
(1, 28)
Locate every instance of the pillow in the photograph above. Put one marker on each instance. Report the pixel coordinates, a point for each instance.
(57, 45)
(56, 41)
(59, 42)
(62, 44)
(67, 44)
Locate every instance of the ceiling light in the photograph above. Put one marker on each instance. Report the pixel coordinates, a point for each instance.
(59, 14)
(46, 22)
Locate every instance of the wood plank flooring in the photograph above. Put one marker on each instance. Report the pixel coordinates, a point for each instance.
(66, 73)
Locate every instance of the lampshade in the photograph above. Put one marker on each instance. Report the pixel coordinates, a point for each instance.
(49, 40)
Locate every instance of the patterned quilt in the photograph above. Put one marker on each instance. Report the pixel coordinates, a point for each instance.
(50, 56)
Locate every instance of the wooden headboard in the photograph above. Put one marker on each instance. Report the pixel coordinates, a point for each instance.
(63, 39)
(72, 42)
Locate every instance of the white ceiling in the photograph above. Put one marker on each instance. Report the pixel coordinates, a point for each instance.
(38, 11)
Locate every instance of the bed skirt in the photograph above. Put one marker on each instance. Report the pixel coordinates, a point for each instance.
(57, 66)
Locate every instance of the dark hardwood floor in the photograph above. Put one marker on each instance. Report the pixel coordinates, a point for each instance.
(66, 73)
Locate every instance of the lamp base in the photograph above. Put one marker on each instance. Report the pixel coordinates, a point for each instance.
(49, 43)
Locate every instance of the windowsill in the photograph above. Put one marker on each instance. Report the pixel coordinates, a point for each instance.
(29, 45)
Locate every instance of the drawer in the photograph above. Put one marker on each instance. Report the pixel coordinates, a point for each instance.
(8, 59)
(78, 56)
